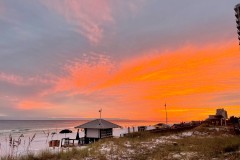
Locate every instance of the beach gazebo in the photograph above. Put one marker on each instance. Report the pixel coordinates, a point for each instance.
(97, 129)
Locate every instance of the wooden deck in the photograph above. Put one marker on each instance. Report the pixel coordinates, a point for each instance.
(67, 142)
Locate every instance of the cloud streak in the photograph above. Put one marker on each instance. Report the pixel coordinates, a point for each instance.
(87, 17)
(189, 76)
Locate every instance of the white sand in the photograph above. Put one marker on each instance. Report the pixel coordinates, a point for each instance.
(42, 138)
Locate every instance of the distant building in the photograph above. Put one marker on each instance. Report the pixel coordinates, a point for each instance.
(237, 15)
(219, 118)
(97, 129)
(161, 125)
(222, 112)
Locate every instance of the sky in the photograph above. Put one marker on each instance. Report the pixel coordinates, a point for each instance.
(67, 59)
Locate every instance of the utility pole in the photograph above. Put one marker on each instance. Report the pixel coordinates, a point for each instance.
(100, 112)
(166, 113)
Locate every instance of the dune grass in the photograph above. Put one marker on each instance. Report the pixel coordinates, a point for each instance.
(205, 148)
(74, 153)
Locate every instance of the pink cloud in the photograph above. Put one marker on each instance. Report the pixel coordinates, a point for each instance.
(22, 81)
(11, 78)
(87, 16)
(32, 105)
(135, 6)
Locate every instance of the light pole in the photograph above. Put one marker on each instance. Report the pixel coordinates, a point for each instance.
(100, 112)
(166, 113)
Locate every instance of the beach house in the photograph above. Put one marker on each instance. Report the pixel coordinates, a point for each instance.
(219, 118)
(97, 129)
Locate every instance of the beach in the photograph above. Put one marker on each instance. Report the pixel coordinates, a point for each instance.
(201, 142)
(34, 136)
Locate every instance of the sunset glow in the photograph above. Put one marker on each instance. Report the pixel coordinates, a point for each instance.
(74, 60)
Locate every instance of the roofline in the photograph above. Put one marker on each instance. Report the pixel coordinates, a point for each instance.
(117, 126)
(96, 128)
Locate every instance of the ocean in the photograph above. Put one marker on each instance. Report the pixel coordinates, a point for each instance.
(22, 126)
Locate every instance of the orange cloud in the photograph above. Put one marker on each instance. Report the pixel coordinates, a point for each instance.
(33, 105)
(191, 80)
